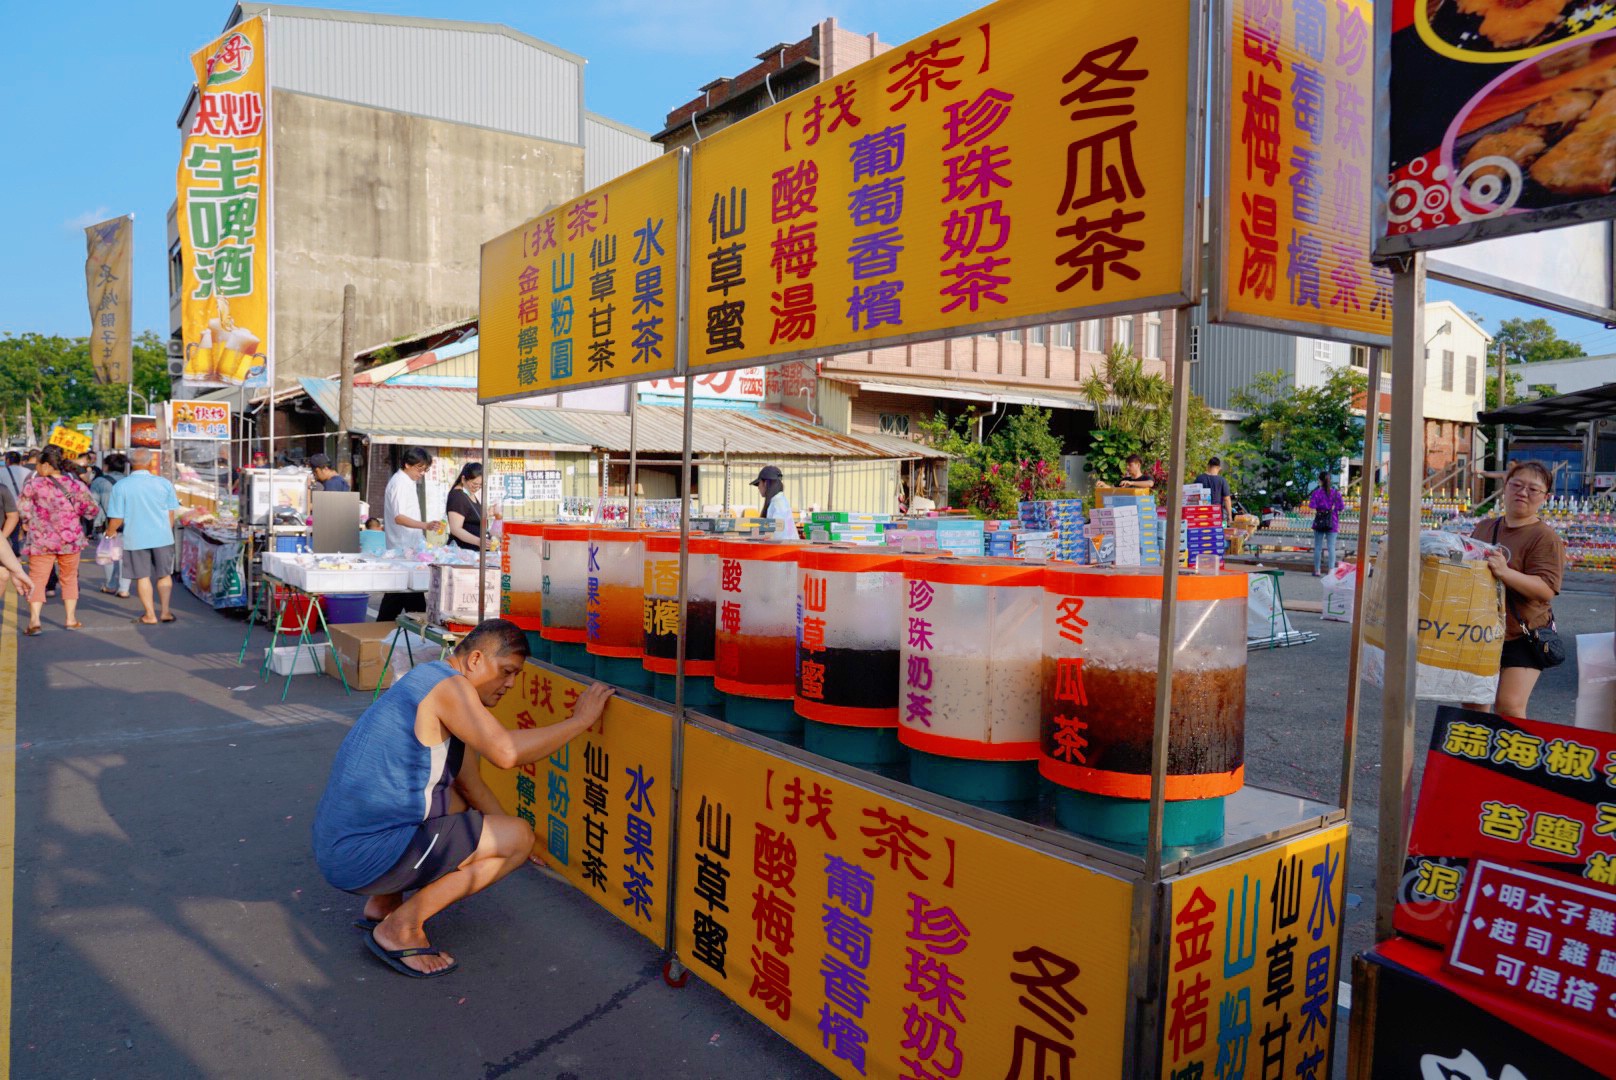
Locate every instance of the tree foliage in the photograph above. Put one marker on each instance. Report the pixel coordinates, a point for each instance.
(1133, 415)
(1291, 435)
(54, 375)
(1530, 341)
(1019, 461)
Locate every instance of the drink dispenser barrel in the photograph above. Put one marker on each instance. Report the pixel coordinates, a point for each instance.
(564, 606)
(522, 566)
(615, 593)
(849, 634)
(661, 612)
(756, 637)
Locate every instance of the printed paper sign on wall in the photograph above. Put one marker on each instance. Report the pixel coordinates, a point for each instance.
(1502, 120)
(1252, 967)
(224, 214)
(1292, 182)
(1026, 162)
(599, 806)
(884, 940)
(586, 294)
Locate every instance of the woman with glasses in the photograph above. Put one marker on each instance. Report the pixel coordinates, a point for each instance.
(1531, 568)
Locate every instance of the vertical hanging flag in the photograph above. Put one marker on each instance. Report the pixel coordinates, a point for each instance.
(223, 214)
(107, 257)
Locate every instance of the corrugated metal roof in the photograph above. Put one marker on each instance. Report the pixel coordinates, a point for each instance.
(436, 416)
(962, 389)
(612, 149)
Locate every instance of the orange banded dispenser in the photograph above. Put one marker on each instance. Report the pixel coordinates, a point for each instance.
(849, 630)
(661, 619)
(971, 677)
(1101, 634)
(614, 602)
(521, 564)
(564, 613)
(756, 640)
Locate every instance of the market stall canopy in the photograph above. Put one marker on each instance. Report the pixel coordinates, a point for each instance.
(1560, 411)
(441, 417)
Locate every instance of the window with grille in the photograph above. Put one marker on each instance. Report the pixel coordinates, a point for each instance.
(1036, 334)
(1447, 370)
(1122, 332)
(1470, 376)
(1063, 335)
(1153, 336)
(1092, 334)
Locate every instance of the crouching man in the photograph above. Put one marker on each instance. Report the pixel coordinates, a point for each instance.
(406, 809)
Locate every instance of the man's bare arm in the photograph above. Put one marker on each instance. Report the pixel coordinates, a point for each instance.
(472, 786)
(463, 715)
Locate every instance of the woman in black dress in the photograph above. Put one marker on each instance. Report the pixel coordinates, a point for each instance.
(464, 508)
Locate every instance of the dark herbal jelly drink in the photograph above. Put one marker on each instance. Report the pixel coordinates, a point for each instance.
(703, 615)
(1209, 718)
(854, 678)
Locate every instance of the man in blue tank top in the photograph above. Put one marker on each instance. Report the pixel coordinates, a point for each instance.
(406, 808)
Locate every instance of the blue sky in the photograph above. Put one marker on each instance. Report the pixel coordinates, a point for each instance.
(92, 91)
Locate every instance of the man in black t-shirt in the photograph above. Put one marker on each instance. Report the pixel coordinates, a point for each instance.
(1214, 482)
(325, 477)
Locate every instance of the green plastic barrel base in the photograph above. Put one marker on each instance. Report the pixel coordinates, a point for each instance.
(623, 672)
(537, 648)
(766, 717)
(974, 781)
(1185, 823)
(700, 694)
(574, 656)
(853, 745)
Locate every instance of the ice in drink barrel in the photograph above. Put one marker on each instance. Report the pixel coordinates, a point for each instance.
(522, 565)
(848, 635)
(565, 609)
(756, 642)
(971, 677)
(661, 619)
(1101, 634)
(614, 597)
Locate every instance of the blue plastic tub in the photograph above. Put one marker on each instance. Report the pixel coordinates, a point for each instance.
(346, 607)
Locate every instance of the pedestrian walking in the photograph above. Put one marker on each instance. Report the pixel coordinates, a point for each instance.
(141, 509)
(1326, 503)
(1531, 567)
(405, 531)
(116, 466)
(54, 504)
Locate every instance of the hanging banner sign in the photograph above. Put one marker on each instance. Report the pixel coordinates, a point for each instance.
(1252, 969)
(885, 940)
(1034, 161)
(1502, 121)
(209, 420)
(109, 280)
(73, 442)
(600, 806)
(224, 214)
(1291, 179)
(587, 294)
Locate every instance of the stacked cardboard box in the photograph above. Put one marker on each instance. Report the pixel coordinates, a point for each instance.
(1065, 518)
(955, 535)
(1113, 535)
(1202, 534)
(842, 527)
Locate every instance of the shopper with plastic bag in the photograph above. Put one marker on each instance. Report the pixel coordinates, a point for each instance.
(1531, 566)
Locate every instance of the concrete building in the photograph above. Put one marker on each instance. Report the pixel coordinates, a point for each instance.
(1565, 376)
(890, 390)
(399, 146)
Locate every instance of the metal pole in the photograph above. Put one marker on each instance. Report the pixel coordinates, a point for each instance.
(1366, 518)
(1498, 432)
(1402, 568)
(633, 448)
(345, 392)
(830, 483)
(482, 530)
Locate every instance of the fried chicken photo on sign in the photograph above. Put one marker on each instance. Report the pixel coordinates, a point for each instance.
(1507, 23)
(1560, 110)
(1582, 163)
(1599, 81)
(1521, 144)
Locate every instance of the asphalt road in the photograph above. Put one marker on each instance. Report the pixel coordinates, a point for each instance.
(169, 920)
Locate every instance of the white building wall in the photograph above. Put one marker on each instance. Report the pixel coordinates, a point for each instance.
(1567, 376)
(1462, 394)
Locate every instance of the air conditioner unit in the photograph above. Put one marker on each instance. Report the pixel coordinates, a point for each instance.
(176, 367)
(176, 349)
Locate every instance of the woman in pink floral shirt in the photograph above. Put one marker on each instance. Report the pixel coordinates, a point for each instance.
(52, 504)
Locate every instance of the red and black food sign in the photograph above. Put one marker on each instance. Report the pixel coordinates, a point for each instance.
(1536, 796)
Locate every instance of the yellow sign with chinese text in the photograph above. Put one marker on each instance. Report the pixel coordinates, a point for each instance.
(885, 940)
(108, 282)
(586, 294)
(1292, 176)
(599, 806)
(224, 214)
(1028, 162)
(1252, 964)
(74, 442)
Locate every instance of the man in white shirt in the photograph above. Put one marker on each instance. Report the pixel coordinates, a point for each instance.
(405, 531)
(776, 507)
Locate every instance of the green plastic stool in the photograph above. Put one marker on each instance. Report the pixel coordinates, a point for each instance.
(574, 656)
(974, 781)
(623, 672)
(700, 694)
(764, 716)
(1185, 823)
(853, 745)
(537, 647)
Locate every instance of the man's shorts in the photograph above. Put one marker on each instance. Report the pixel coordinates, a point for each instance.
(439, 846)
(154, 563)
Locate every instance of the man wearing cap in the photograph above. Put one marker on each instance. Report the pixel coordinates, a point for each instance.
(325, 477)
(776, 507)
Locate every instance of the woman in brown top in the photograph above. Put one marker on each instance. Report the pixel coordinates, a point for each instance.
(1531, 575)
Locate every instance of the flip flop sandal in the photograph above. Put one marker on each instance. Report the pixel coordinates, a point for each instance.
(168, 620)
(394, 958)
(33, 631)
(74, 625)
(110, 592)
(140, 620)
(367, 925)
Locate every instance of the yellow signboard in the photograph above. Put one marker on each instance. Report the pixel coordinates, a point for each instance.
(586, 294)
(599, 806)
(885, 940)
(224, 214)
(199, 420)
(1292, 174)
(1252, 965)
(108, 281)
(1028, 162)
(74, 442)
